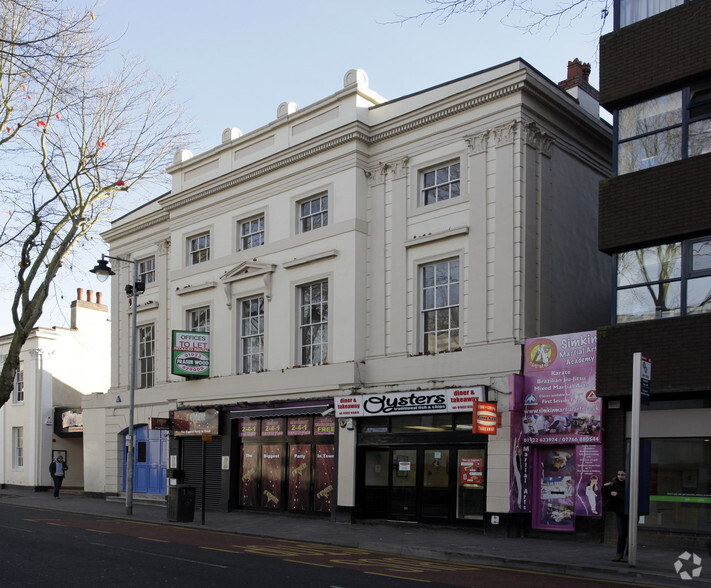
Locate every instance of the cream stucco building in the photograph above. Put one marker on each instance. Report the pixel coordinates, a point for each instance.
(58, 368)
(359, 246)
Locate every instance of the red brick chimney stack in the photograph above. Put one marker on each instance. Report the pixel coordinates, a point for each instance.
(578, 74)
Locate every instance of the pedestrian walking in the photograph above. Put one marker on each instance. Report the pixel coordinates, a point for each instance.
(615, 500)
(58, 468)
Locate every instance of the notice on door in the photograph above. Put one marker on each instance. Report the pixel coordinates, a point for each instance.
(470, 470)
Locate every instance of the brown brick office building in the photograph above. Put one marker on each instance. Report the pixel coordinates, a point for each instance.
(655, 222)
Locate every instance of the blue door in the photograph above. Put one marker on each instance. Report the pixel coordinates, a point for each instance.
(150, 461)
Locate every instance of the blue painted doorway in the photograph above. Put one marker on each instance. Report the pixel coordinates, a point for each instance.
(150, 461)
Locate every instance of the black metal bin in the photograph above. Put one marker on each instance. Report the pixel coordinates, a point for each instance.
(181, 503)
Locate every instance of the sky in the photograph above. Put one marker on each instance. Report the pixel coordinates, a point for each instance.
(234, 62)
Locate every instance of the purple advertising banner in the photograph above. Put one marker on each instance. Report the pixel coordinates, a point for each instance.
(560, 405)
(554, 494)
(588, 480)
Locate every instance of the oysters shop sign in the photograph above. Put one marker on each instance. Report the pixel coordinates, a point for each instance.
(418, 402)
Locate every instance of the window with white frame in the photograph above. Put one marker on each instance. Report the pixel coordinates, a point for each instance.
(146, 356)
(313, 213)
(147, 270)
(439, 183)
(440, 306)
(251, 233)
(199, 319)
(18, 456)
(19, 389)
(252, 335)
(199, 249)
(313, 323)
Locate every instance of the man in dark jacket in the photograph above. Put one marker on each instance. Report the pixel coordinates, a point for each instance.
(614, 494)
(58, 469)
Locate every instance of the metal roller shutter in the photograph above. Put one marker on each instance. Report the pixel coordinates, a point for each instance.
(192, 468)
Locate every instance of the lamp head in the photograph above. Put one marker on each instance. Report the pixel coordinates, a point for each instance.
(102, 270)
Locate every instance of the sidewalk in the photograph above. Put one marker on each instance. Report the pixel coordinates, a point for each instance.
(655, 565)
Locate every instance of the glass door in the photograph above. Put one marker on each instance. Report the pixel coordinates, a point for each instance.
(403, 491)
(377, 484)
(470, 484)
(435, 484)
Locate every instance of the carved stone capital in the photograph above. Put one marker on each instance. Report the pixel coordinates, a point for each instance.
(532, 135)
(478, 143)
(377, 174)
(163, 246)
(504, 134)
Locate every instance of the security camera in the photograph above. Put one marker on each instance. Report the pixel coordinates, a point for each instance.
(327, 411)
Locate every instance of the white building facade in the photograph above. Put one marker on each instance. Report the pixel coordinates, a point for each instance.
(357, 246)
(43, 418)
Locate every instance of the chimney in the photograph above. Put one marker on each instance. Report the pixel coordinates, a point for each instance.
(577, 85)
(80, 304)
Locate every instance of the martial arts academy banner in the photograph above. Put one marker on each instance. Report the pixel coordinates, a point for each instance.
(556, 451)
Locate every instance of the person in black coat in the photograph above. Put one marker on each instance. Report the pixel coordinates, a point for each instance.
(58, 469)
(615, 500)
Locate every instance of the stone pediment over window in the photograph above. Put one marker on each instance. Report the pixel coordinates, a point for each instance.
(245, 270)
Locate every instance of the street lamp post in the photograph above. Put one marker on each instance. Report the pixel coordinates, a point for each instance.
(103, 271)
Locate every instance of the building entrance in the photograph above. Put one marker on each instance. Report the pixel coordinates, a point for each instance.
(437, 483)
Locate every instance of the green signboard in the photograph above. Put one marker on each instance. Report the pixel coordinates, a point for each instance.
(191, 354)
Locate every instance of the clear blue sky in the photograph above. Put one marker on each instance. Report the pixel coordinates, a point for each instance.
(236, 61)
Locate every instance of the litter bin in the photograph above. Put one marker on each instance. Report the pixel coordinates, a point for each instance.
(181, 503)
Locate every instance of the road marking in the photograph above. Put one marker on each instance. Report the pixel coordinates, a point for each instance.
(152, 539)
(99, 531)
(15, 529)
(203, 563)
(307, 563)
(57, 524)
(399, 577)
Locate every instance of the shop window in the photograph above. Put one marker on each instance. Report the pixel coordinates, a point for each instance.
(427, 423)
(680, 484)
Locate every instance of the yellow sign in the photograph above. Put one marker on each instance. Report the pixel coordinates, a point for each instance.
(206, 437)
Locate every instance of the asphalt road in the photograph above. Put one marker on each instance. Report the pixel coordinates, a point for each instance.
(40, 547)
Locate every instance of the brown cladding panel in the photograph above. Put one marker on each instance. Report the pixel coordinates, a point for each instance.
(655, 53)
(657, 205)
(676, 347)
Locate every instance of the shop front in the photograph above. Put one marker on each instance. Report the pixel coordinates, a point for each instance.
(286, 458)
(417, 458)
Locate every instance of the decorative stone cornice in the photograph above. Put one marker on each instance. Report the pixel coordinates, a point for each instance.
(182, 290)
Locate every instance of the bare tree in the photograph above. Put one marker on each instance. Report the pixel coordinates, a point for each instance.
(74, 145)
(528, 15)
